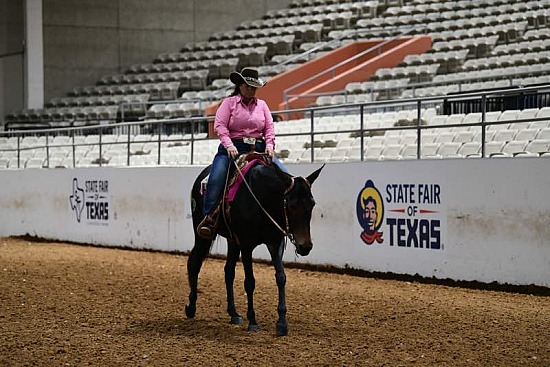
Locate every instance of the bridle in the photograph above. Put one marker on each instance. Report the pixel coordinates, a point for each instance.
(286, 232)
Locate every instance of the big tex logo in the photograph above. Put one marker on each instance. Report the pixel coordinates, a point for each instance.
(406, 215)
(370, 213)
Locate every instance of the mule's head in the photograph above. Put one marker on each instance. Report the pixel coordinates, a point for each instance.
(299, 205)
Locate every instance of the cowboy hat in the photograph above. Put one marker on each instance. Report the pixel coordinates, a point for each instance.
(248, 76)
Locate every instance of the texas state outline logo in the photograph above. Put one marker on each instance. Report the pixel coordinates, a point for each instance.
(370, 213)
(77, 200)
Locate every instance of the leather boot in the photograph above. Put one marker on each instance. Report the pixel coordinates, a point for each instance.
(207, 228)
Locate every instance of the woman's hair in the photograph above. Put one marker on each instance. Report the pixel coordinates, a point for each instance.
(236, 91)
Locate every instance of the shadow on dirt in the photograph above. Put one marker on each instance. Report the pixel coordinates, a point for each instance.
(174, 327)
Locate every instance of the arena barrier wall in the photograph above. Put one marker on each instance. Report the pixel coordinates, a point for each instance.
(485, 220)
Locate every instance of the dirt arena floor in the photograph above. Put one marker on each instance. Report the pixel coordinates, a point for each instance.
(68, 305)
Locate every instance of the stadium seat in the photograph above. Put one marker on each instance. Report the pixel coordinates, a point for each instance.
(34, 163)
(493, 148)
(544, 134)
(505, 135)
(429, 150)
(449, 149)
(538, 146)
(409, 151)
(445, 137)
(4, 163)
(470, 149)
(391, 152)
(513, 147)
(526, 134)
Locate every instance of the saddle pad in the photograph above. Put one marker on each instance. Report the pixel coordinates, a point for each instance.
(239, 178)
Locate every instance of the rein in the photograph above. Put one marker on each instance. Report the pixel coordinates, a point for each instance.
(286, 232)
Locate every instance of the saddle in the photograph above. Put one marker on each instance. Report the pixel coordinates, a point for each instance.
(244, 162)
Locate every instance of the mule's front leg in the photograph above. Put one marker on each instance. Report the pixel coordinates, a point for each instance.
(232, 258)
(280, 277)
(249, 286)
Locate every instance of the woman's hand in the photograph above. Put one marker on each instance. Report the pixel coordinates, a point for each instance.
(232, 151)
(270, 152)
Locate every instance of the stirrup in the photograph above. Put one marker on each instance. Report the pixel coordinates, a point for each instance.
(207, 228)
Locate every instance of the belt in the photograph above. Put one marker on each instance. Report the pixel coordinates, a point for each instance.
(250, 141)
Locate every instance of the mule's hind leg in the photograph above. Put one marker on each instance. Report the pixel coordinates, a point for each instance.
(276, 252)
(249, 286)
(232, 258)
(194, 264)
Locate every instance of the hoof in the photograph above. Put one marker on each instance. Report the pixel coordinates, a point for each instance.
(253, 328)
(282, 330)
(236, 320)
(190, 311)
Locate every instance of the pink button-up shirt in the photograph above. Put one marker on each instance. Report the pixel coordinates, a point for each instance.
(235, 120)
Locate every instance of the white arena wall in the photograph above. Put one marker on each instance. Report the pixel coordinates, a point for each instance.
(485, 220)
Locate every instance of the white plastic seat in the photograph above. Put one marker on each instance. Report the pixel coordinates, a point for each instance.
(449, 149)
(504, 135)
(539, 124)
(391, 151)
(34, 163)
(428, 137)
(28, 141)
(346, 142)
(493, 147)
(392, 139)
(60, 152)
(469, 149)
(4, 163)
(526, 134)
(513, 147)
(501, 126)
(525, 114)
(544, 134)
(354, 154)
(492, 116)
(457, 118)
(472, 118)
(408, 137)
(295, 154)
(374, 141)
(409, 151)
(525, 154)
(15, 163)
(445, 137)
(325, 153)
(373, 152)
(438, 120)
(509, 115)
(339, 155)
(464, 136)
(543, 112)
(429, 150)
(538, 146)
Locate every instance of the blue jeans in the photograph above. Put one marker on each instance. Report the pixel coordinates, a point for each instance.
(218, 173)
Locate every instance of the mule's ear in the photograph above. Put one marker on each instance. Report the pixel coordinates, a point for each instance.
(311, 178)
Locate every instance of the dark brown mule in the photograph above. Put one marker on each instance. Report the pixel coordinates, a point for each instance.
(270, 206)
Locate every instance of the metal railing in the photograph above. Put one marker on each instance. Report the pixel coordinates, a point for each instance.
(160, 129)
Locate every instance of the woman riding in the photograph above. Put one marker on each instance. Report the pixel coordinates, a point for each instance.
(243, 124)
